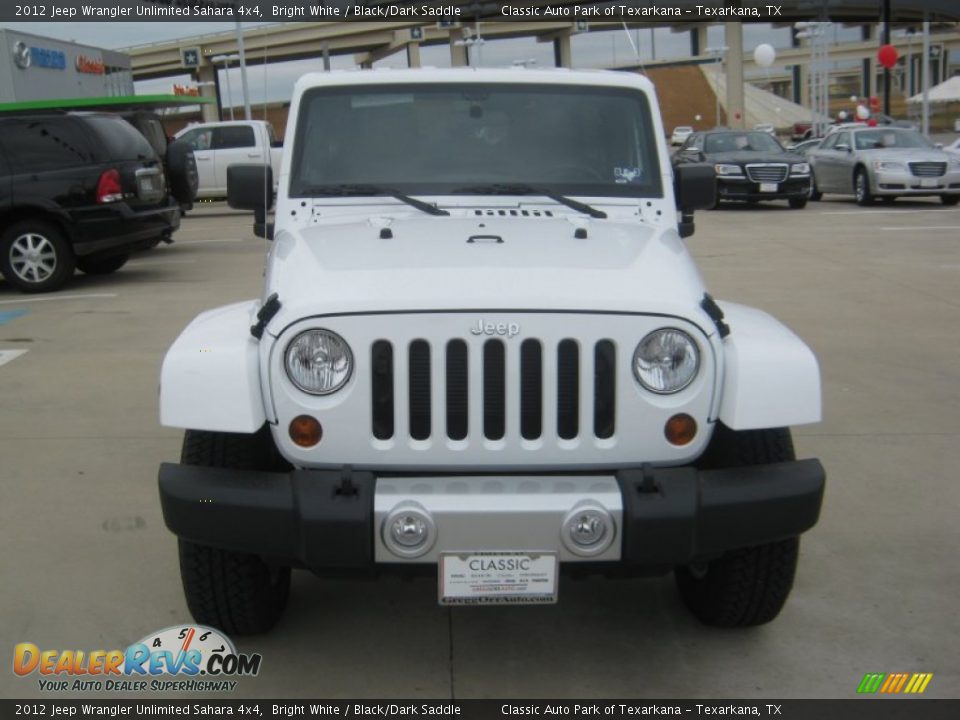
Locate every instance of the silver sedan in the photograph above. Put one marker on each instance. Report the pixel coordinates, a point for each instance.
(884, 162)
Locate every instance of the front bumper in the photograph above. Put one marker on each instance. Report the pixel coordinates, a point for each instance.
(905, 183)
(743, 189)
(326, 520)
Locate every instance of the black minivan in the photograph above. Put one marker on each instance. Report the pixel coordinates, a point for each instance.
(77, 190)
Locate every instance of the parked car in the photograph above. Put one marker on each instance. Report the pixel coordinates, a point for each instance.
(473, 355)
(680, 134)
(179, 163)
(883, 162)
(802, 131)
(751, 166)
(767, 128)
(217, 146)
(77, 190)
(802, 148)
(953, 148)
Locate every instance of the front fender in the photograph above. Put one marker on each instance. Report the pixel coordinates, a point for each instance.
(771, 378)
(211, 374)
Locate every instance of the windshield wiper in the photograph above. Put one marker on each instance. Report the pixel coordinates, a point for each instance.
(373, 191)
(521, 189)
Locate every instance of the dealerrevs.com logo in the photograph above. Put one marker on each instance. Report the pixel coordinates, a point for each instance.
(179, 658)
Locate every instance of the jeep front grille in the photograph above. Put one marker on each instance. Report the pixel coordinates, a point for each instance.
(767, 172)
(928, 169)
(535, 365)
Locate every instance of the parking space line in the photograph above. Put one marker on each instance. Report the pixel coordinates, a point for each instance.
(208, 240)
(922, 227)
(8, 355)
(887, 212)
(48, 298)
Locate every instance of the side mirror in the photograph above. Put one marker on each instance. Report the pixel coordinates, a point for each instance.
(250, 187)
(695, 188)
(939, 146)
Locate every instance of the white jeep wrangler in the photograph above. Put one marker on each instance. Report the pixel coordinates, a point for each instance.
(484, 351)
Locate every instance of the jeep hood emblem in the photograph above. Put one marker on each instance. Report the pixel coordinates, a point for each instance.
(506, 329)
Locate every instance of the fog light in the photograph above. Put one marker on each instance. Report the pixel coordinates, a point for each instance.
(408, 531)
(680, 429)
(587, 530)
(305, 431)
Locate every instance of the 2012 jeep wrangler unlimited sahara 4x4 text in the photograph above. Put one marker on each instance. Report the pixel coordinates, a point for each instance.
(484, 351)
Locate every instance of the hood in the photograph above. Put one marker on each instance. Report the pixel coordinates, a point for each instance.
(483, 263)
(753, 156)
(906, 154)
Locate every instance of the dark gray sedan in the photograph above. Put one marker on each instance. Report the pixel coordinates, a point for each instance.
(885, 162)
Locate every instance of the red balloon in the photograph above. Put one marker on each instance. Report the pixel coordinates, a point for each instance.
(887, 56)
(871, 123)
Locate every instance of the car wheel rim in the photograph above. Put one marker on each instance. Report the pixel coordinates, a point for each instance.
(861, 188)
(33, 258)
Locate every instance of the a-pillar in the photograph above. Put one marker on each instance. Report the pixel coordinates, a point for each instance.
(733, 39)
(207, 80)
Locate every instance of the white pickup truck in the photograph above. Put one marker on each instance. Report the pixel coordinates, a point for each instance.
(483, 351)
(217, 146)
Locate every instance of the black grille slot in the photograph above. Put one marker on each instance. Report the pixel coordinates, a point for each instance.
(604, 389)
(767, 173)
(494, 392)
(419, 390)
(928, 169)
(381, 389)
(531, 389)
(457, 390)
(568, 389)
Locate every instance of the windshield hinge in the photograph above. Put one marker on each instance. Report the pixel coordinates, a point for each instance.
(710, 307)
(264, 315)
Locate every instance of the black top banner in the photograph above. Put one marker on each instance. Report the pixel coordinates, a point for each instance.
(538, 709)
(453, 11)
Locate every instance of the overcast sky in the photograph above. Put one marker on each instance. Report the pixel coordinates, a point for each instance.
(594, 49)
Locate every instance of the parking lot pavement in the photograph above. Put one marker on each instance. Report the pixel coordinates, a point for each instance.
(87, 562)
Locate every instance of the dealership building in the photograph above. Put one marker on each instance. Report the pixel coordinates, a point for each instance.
(34, 68)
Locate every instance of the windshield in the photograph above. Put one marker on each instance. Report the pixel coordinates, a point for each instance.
(449, 138)
(888, 138)
(741, 142)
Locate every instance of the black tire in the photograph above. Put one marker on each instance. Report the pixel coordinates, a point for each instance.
(815, 195)
(235, 592)
(950, 200)
(35, 256)
(93, 265)
(747, 586)
(861, 188)
(182, 171)
(798, 203)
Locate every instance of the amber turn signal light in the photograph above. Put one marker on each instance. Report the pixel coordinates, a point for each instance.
(680, 429)
(305, 431)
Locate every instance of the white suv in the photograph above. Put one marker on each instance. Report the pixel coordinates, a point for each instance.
(484, 351)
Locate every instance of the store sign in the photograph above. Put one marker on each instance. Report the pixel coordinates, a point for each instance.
(186, 91)
(25, 56)
(89, 65)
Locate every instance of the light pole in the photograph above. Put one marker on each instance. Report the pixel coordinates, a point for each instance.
(226, 59)
(718, 53)
(819, 71)
(243, 71)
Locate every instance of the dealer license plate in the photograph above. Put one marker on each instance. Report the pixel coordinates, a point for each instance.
(768, 187)
(929, 182)
(498, 578)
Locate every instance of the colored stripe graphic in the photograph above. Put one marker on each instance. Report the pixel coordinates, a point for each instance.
(870, 683)
(894, 683)
(8, 315)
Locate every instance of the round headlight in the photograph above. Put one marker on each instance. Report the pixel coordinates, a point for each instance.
(319, 362)
(666, 361)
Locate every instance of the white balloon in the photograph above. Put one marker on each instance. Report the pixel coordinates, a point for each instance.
(842, 114)
(862, 112)
(697, 118)
(764, 55)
